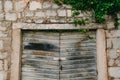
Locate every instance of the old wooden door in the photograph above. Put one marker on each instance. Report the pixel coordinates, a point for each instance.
(58, 56)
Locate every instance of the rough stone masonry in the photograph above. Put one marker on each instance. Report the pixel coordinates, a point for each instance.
(33, 11)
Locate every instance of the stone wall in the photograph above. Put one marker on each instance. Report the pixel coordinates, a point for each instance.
(35, 12)
(113, 54)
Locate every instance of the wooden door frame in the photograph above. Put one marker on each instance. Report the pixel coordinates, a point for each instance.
(16, 46)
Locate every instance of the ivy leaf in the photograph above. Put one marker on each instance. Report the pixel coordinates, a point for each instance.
(75, 23)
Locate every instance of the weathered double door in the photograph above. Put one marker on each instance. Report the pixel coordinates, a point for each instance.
(58, 56)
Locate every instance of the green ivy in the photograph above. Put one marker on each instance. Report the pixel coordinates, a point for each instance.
(100, 8)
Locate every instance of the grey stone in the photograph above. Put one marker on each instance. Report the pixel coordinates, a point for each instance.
(28, 13)
(54, 20)
(19, 15)
(69, 13)
(50, 13)
(1, 16)
(8, 6)
(118, 15)
(61, 13)
(39, 21)
(116, 43)
(114, 72)
(62, 20)
(108, 34)
(110, 25)
(112, 54)
(1, 8)
(11, 16)
(115, 33)
(19, 6)
(34, 5)
(116, 79)
(111, 62)
(2, 35)
(5, 24)
(47, 4)
(67, 6)
(3, 55)
(1, 65)
(40, 14)
(1, 44)
(55, 6)
(109, 43)
(2, 74)
(117, 62)
(2, 28)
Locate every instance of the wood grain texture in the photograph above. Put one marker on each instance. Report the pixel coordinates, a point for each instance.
(76, 50)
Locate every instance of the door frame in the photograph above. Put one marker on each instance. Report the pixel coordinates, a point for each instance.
(17, 40)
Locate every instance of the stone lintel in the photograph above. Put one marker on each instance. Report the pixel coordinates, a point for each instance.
(34, 26)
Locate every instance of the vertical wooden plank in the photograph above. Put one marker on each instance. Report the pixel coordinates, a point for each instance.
(101, 55)
(16, 54)
(78, 56)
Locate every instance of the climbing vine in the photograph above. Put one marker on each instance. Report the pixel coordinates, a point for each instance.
(99, 7)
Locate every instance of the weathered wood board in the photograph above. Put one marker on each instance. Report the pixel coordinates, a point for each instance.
(58, 56)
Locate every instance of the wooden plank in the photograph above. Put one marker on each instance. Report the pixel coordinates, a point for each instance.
(38, 64)
(79, 59)
(80, 54)
(101, 55)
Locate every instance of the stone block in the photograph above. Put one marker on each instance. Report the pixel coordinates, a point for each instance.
(5, 24)
(50, 13)
(34, 5)
(117, 62)
(2, 74)
(1, 16)
(28, 13)
(69, 13)
(2, 35)
(20, 5)
(1, 8)
(115, 33)
(112, 54)
(3, 55)
(67, 6)
(109, 44)
(39, 21)
(19, 15)
(108, 34)
(62, 20)
(1, 44)
(2, 28)
(55, 6)
(40, 14)
(8, 6)
(11, 16)
(1, 65)
(61, 13)
(47, 4)
(116, 79)
(54, 20)
(111, 62)
(118, 15)
(114, 72)
(116, 43)
(110, 25)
